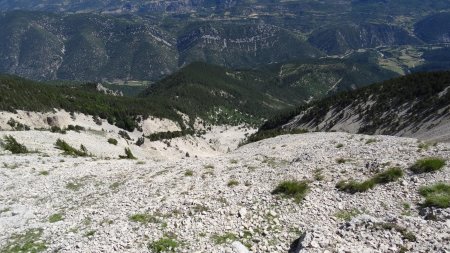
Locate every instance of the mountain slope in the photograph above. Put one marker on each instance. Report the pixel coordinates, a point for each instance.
(343, 38)
(238, 45)
(83, 47)
(219, 95)
(434, 28)
(416, 105)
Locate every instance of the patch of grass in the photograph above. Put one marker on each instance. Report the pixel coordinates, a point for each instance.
(389, 175)
(318, 175)
(90, 233)
(233, 161)
(341, 160)
(427, 165)
(371, 141)
(292, 189)
(222, 239)
(69, 150)
(73, 186)
(115, 185)
(209, 166)
(407, 235)
(112, 141)
(55, 218)
(140, 162)
(232, 183)
(144, 218)
(164, 244)
(347, 215)
(10, 143)
(128, 155)
(30, 242)
(352, 186)
(437, 195)
(189, 173)
(340, 145)
(44, 173)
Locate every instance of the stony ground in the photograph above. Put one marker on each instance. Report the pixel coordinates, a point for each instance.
(218, 204)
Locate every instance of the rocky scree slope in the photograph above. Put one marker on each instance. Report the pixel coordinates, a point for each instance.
(415, 105)
(225, 203)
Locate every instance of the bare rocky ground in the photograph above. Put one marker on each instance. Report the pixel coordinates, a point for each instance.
(222, 202)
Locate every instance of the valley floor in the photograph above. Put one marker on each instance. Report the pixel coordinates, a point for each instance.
(65, 204)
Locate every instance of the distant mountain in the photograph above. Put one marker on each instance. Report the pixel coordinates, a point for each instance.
(241, 45)
(99, 47)
(83, 47)
(343, 38)
(434, 28)
(415, 105)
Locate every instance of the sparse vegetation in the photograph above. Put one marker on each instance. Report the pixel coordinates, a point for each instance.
(232, 183)
(437, 195)
(292, 189)
(222, 239)
(30, 241)
(55, 218)
(369, 141)
(318, 176)
(347, 215)
(407, 235)
(128, 154)
(74, 186)
(352, 186)
(339, 145)
(427, 165)
(69, 150)
(341, 160)
(10, 143)
(189, 173)
(44, 173)
(165, 244)
(144, 218)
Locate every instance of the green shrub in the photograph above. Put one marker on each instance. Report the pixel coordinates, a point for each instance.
(222, 239)
(69, 150)
(11, 144)
(112, 141)
(30, 241)
(347, 215)
(427, 165)
(352, 186)
(144, 218)
(437, 195)
(55, 218)
(292, 189)
(232, 183)
(390, 175)
(341, 160)
(128, 154)
(165, 244)
(189, 173)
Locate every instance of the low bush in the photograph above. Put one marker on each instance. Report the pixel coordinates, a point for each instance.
(390, 175)
(165, 244)
(128, 154)
(292, 189)
(427, 165)
(69, 150)
(112, 141)
(352, 186)
(11, 144)
(437, 195)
